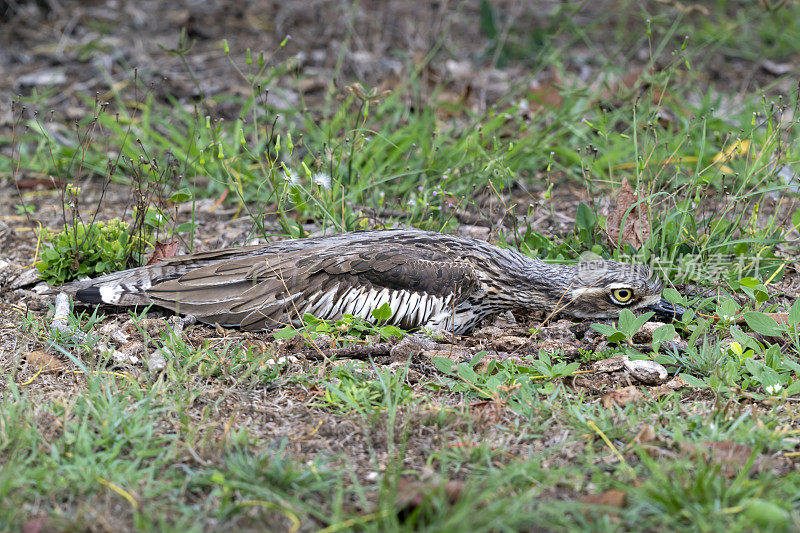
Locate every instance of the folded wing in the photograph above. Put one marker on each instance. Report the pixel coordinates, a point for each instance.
(270, 289)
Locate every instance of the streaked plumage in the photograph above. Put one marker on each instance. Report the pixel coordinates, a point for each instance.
(429, 279)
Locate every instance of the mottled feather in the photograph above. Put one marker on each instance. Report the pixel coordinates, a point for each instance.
(428, 279)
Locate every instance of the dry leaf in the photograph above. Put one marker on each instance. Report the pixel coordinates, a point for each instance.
(645, 435)
(162, 251)
(670, 386)
(731, 456)
(609, 498)
(621, 397)
(412, 494)
(37, 182)
(730, 453)
(780, 318)
(633, 228)
(488, 411)
(33, 526)
(686, 8)
(45, 361)
(616, 499)
(545, 95)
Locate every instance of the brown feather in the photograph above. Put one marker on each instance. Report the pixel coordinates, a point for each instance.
(452, 282)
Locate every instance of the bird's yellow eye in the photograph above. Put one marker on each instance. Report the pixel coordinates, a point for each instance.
(622, 296)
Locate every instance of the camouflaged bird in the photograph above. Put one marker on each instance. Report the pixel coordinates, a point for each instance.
(431, 280)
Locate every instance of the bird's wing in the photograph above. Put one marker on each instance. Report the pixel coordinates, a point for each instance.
(128, 287)
(266, 290)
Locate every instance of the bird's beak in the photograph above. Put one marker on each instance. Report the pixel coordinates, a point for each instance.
(666, 310)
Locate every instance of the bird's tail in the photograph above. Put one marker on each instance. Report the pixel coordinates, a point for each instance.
(128, 287)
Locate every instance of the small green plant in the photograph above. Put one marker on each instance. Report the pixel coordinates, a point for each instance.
(350, 391)
(77, 336)
(345, 330)
(585, 224)
(748, 362)
(501, 377)
(628, 325)
(551, 369)
(24, 209)
(85, 250)
(231, 361)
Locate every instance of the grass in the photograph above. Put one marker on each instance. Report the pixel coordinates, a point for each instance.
(228, 437)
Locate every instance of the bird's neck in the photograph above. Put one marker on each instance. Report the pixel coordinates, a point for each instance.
(538, 272)
(520, 270)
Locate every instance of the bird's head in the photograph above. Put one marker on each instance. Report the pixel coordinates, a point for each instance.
(602, 289)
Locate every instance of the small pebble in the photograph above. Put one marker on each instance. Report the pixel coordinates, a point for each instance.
(157, 362)
(647, 371)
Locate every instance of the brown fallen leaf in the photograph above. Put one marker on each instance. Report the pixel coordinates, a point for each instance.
(545, 95)
(621, 397)
(411, 494)
(609, 498)
(45, 361)
(34, 182)
(780, 318)
(645, 435)
(729, 452)
(34, 525)
(731, 456)
(162, 251)
(686, 8)
(670, 386)
(489, 411)
(633, 228)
